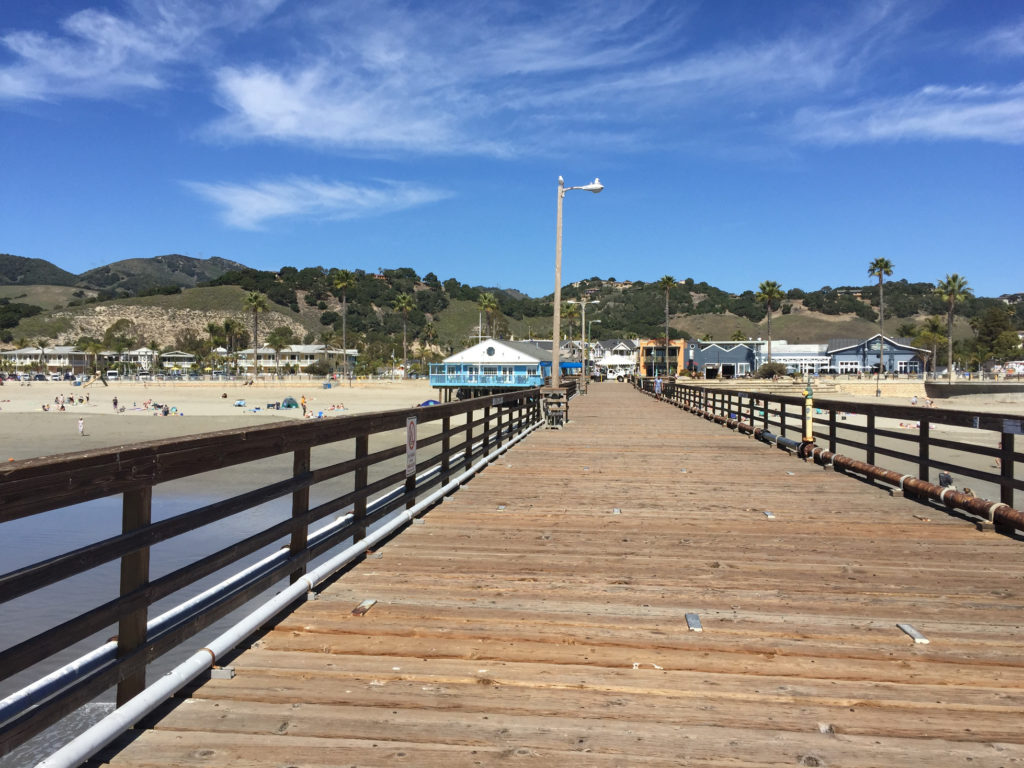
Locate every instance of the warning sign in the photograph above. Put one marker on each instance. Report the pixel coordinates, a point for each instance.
(410, 446)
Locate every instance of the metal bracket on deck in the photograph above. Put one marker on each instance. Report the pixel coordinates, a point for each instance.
(222, 673)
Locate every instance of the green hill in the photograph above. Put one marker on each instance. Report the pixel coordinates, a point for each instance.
(134, 276)
(18, 270)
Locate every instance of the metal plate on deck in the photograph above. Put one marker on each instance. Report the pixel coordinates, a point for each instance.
(769, 515)
(693, 623)
(363, 607)
(918, 637)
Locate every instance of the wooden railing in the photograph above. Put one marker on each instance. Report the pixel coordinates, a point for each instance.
(449, 438)
(892, 436)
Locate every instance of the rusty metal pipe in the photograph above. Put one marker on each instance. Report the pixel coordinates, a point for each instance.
(994, 511)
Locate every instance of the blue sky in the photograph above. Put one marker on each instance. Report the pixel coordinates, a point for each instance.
(738, 140)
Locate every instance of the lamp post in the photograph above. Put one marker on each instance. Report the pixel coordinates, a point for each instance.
(595, 186)
(583, 333)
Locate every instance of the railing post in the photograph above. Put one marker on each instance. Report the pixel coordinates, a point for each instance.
(136, 512)
(923, 459)
(1006, 469)
(832, 430)
(870, 443)
(469, 438)
(446, 446)
(782, 419)
(300, 506)
(497, 438)
(487, 430)
(360, 477)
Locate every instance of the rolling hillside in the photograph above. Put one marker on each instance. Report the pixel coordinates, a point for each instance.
(447, 314)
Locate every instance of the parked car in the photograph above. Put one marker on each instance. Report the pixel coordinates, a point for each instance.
(39, 377)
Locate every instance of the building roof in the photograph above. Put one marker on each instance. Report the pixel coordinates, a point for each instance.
(613, 343)
(839, 345)
(499, 352)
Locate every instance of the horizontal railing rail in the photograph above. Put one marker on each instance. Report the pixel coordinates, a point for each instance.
(899, 437)
(364, 486)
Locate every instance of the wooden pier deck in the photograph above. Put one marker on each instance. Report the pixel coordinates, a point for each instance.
(538, 617)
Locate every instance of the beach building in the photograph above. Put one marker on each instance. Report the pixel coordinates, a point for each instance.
(58, 359)
(494, 365)
(651, 357)
(177, 360)
(489, 365)
(294, 357)
(722, 359)
(862, 355)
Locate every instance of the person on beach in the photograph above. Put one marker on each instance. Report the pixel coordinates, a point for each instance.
(115, 405)
(81, 427)
(302, 402)
(913, 400)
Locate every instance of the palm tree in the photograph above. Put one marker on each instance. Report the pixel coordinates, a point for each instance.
(341, 281)
(769, 293)
(94, 348)
(932, 334)
(404, 304)
(256, 302)
(278, 339)
(489, 306)
(42, 350)
(952, 291)
(232, 328)
(738, 335)
(881, 268)
(570, 312)
(666, 284)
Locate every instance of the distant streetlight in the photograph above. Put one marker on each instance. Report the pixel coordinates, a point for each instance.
(583, 333)
(594, 187)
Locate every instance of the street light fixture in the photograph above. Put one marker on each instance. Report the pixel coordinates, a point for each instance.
(595, 186)
(583, 333)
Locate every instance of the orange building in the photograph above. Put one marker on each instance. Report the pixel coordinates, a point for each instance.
(651, 357)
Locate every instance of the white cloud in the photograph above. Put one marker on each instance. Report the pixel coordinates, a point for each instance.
(250, 206)
(933, 113)
(101, 54)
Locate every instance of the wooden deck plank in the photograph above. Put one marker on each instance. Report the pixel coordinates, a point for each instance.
(528, 620)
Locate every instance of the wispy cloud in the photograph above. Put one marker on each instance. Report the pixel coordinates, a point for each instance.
(1003, 41)
(381, 79)
(250, 206)
(934, 113)
(506, 80)
(101, 54)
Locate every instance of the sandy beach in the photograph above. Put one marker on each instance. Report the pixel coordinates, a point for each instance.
(27, 431)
